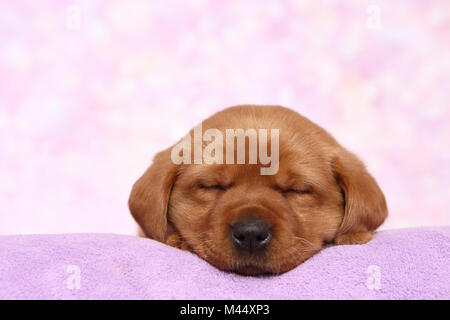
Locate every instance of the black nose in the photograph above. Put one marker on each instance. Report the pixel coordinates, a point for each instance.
(250, 235)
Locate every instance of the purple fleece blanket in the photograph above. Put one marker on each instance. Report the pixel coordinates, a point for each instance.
(397, 264)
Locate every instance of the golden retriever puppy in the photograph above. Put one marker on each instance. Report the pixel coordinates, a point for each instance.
(256, 210)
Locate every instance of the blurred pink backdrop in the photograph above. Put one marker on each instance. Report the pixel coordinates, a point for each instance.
(90, 90)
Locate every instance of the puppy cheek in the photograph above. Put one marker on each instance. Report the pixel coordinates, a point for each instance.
(191, 220)
(176, 241)
(220, 237)
(320, 216)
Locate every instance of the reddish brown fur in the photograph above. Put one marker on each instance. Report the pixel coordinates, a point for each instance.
(343, 204)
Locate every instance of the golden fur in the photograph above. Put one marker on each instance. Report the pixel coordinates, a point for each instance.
(322, 193)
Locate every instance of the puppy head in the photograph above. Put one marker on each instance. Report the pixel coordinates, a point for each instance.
(242, 221)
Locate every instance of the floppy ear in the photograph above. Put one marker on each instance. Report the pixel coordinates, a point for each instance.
(365, 205)
(150, 195)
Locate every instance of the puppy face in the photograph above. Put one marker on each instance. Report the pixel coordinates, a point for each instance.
(240, 220)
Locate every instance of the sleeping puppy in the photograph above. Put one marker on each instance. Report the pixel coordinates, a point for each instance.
(255, 217)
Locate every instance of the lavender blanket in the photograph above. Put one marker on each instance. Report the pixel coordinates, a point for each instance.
(398, 264)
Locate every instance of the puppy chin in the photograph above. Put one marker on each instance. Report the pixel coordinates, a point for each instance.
(261, 268)
(253, 270)
(238, 265)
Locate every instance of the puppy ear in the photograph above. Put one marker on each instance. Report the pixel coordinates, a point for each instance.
(365, 205)
(150, 195)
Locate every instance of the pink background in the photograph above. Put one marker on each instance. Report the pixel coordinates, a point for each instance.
(90, 90)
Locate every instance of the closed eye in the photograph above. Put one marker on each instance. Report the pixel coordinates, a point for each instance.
(293, 191)
(212, 187)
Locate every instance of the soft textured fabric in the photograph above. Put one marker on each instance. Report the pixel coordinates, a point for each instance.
(397, 264)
